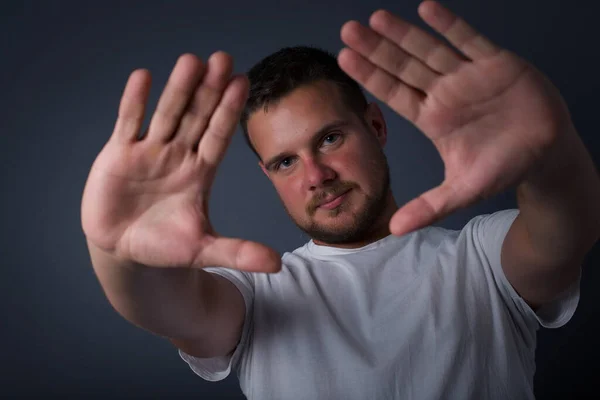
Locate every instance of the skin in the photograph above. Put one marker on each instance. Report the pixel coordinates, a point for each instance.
(322, 160)
(496, 121)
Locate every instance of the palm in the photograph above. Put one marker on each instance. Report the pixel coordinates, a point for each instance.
(486, 120)
(488, 112)
(144, 209)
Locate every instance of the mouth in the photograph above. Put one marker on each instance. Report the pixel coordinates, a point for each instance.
(333, 202)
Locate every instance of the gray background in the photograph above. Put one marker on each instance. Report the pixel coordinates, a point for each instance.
(63, 67)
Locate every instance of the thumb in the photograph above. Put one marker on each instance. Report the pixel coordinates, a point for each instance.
(428, 208)
(238, 254)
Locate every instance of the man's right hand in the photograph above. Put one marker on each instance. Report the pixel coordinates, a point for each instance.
(146, 200)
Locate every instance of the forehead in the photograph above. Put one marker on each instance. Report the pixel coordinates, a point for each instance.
(296, 117)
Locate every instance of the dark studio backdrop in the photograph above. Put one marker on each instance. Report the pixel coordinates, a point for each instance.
(63, 68)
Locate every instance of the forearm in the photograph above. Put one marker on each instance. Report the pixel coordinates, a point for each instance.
(164, 301)
(560, 202)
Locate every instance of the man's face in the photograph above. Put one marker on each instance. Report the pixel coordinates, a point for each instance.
(314, 148)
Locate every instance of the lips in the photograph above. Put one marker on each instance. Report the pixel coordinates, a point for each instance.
(331, 199)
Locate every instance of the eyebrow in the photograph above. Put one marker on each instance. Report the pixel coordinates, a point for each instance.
(316, 136)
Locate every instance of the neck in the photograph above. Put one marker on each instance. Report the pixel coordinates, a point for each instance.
(380, 230)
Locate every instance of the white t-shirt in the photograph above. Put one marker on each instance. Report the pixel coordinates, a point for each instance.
(429, 315)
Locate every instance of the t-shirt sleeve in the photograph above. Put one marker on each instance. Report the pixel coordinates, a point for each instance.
(218, 368)
(489, 232)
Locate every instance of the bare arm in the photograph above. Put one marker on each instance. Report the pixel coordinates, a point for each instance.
(199, 312)
(558, 224)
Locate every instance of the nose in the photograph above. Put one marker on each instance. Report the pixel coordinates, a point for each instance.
(317, 173)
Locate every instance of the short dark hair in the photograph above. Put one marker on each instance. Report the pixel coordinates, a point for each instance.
(280, 73)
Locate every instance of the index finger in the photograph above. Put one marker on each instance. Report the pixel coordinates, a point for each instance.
(431, 51)
(458, 32)
(222, 125)
(132, 107)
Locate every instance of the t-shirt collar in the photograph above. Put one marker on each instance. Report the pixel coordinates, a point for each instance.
(324, 250)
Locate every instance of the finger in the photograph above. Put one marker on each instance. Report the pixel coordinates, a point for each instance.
(430, 207)
(457, 31)
(431, 51)
(402, 98)
(386, 55)
(174, 99)
(221, 127)
(132, 107)
(206, 98)
(239, 254)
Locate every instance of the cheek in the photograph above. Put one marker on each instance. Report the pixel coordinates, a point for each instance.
(290, 195)
(363, 169)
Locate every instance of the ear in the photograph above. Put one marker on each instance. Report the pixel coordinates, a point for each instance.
(376, 123)
(262, 166)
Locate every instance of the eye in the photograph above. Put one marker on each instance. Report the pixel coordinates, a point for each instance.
(283, 164)
(331, 138)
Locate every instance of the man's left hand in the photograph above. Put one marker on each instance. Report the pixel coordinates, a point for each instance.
(490, 114)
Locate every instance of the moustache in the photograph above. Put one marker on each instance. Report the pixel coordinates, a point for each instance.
(333, 191)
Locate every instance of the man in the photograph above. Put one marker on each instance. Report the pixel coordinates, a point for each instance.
(379, 304)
